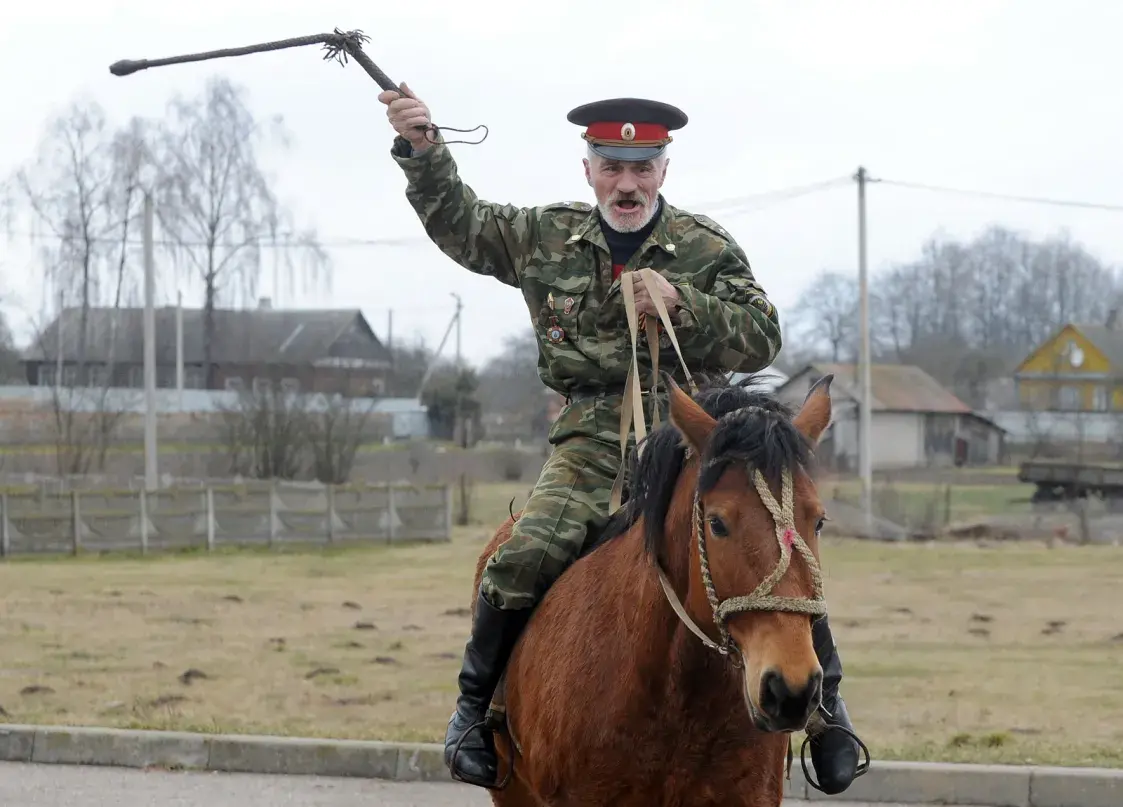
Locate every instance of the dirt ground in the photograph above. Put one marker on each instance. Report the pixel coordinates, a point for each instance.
(952, 651)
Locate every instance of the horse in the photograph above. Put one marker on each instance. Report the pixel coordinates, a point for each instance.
(673, 659)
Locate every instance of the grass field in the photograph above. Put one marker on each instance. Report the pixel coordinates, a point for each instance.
(952, 652)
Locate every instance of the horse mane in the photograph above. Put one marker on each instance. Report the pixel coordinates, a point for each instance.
(754, 428)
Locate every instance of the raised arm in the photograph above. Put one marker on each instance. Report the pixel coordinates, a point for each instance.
(484, 237)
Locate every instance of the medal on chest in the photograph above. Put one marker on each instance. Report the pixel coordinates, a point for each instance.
(555, 333)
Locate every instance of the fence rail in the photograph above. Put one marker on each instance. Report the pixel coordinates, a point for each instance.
(211, 515)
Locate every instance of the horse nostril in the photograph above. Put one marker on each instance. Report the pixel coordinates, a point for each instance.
(785, 706)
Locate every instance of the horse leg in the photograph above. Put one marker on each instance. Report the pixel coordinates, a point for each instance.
(516, 792)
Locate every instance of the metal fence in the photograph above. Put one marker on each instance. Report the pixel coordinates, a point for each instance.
(211, 515)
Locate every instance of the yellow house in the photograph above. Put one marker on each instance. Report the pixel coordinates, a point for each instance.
(1080, 368)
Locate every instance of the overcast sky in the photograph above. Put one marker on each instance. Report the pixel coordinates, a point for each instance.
(1018, 97)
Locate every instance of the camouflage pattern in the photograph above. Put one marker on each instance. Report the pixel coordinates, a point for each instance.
(569, 502)
(556, 255)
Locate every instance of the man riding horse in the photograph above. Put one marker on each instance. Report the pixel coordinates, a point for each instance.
(567, 258)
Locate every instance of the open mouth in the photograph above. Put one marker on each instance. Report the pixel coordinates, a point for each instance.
(628, 205)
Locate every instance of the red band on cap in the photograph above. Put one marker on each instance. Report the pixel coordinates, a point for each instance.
(622, 131)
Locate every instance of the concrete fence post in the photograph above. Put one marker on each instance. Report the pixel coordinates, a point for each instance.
(75, 522)
(273, 512)
(5, 531)
(143, 521)
(209, 498)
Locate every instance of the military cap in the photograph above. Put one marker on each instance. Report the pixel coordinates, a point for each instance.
(628, 128)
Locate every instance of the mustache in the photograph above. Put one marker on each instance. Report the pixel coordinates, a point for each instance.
(633, 196)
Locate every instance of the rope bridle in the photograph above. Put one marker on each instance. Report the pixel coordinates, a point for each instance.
(787, 534)
(783, 511)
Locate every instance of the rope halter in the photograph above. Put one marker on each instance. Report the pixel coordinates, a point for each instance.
(762, 598)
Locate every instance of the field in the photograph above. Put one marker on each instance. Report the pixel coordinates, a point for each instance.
(957, 652)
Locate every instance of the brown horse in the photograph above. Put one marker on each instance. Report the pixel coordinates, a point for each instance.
(668, 667)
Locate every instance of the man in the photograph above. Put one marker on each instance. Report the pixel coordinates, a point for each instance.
(567, 258)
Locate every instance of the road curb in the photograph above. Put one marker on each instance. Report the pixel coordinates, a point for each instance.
(891, 781)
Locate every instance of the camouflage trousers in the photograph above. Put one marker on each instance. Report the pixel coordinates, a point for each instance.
(569, 501)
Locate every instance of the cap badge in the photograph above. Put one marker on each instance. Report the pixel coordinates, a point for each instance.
(628, 132)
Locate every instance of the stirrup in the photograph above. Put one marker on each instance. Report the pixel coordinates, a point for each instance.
(863, 768)
(481, 724)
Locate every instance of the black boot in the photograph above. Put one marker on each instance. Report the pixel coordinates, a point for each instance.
(494, 633)
(834, 751)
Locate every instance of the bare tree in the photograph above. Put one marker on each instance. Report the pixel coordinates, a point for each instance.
(272, 431)
(827, 313)
(265, 433)
(511, 391)
(216, 204)
(964, 311)
(81, 194)
(336, 432)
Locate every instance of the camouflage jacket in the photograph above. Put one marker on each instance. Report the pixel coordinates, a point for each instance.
(557, 257)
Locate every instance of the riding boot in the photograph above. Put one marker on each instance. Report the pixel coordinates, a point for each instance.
(494, 633)
(834, 753)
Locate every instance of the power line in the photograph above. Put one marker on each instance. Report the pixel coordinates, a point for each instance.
(779, 194)
(734, 205)
(726, 207)
(1040, 200)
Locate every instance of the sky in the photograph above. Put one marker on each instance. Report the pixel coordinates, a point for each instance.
(1016, 97)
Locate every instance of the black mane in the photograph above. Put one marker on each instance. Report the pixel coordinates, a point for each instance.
(765, 440)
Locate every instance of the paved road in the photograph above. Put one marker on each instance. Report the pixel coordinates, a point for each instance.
(67, 785)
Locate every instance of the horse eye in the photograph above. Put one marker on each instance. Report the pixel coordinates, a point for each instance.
(819, 524)
(717, 527)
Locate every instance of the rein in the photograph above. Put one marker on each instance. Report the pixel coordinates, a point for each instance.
(783, 512)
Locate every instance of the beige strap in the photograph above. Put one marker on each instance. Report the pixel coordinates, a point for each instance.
(676, 604)
(631, 408)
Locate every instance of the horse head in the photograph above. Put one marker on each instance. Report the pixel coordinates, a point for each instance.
(754, 576)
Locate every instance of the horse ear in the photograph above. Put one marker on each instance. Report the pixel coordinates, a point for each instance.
(815, 414)
(687, 416)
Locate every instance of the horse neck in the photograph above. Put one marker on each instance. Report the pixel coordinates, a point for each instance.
(670, 638)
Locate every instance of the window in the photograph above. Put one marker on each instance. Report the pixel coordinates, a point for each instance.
(98, 376)
(1101, 399)
(193, 378)
(1070, 398)
(46, 375)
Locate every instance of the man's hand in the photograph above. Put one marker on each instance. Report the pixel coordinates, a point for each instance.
(669, 293)
(406, 112)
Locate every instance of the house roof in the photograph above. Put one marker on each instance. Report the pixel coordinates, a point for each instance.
(1108, 340)
(240, 335)
(894, 387)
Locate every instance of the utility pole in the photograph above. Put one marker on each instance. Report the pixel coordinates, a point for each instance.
(460, 431)
(459, 308)
(179, 347)
(150, 477)
(865, 461)
(390, 337)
